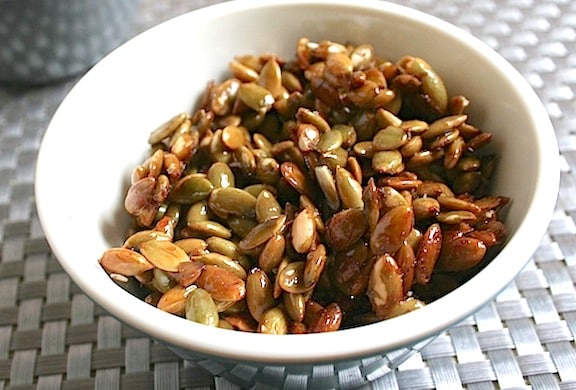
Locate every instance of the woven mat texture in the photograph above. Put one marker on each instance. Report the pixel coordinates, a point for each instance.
(53, 337)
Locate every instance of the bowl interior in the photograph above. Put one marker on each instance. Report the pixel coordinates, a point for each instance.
(99, 134)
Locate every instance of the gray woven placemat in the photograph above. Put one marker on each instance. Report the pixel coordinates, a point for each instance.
(52, 336)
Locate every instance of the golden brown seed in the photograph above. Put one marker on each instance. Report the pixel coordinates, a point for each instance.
(140, 203)
(161, 189)
(222, 284)
(271, 78)
(428, 253)
(291, 278)
(295, 177)
(134, 241)
(183, 147)
(444, 124)
(454, 153)
(272, 253)
(345, 228)
(392, 198)
(259, 293)
(455, 217)
(392, 229)
(315, 264)
(223, 96)
(174, 300)
(262, 233)
(414, 126)
(189, 272)
(163, 254)
(461, 254)
(327, 320)
(452, 203)
(386, 118)
(385, 288)
(328, 186)
(233, 137)
(219, 151)
(222, 261)
(303, 231)
(406, 260)
(243, 72)
(125, 262)
(338, 70)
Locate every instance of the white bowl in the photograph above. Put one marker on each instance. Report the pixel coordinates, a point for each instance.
(99, 134)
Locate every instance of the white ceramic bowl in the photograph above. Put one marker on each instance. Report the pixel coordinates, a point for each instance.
(100, 132)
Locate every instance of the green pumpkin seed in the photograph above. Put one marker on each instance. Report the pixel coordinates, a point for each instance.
(210, 228)
(256, 97)
(390, 138)
(225, 202)
(200, 307)
(262, 233)
(267, 207)
(191, 189)
(349, 136)
(444, 124)
(295, 305)
(273, 321)
(271, 78)
(220, 175)
(329, 141)
(349, 190)
(305, 115)
(166, 129)
(241, 226)
(388, 162)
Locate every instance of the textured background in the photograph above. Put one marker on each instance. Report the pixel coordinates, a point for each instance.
(52, 336)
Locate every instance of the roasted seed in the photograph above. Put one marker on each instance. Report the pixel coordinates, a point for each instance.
(262, 233)
(200, 307)
(163, 254)
(259, 293)
(125, 262)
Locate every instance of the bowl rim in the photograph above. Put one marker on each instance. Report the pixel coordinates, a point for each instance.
(327, 347)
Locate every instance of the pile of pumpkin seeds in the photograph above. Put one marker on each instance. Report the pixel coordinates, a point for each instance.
(332, 190)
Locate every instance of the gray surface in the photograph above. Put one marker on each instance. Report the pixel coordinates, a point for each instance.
(52, 336)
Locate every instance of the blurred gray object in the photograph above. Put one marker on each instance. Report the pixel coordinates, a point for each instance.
(46, 40)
